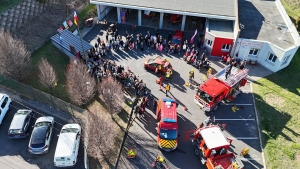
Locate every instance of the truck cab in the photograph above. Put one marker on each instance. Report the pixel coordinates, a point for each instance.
(167, 127)
(212, 146)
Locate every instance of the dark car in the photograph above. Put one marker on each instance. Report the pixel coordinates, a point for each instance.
(41, 135)
(20, 124)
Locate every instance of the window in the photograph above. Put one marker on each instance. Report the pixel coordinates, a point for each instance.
(272, 58)
(226, 47)
(209, 42)
(4, 102)
(253, 52)
(286, 59)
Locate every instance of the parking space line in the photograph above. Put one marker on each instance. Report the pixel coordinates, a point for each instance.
(250, 159)
(237, 104)
(243, 138)
(234, 119)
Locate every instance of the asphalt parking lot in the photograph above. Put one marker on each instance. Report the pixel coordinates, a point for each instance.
(241, 125)
(14, 153)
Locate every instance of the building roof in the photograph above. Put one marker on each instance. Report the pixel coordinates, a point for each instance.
(209, 7)
(221, 28)
(214, 137)
(68, 38)
(253, 13)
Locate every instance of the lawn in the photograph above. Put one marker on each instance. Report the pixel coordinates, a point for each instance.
(6, 4)
(278, 100)
(292, 8)
(59, 61)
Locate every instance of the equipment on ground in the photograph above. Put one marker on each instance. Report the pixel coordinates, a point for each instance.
(211, 146)
(223, 86)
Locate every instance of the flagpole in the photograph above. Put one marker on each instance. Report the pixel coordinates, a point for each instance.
(84, 56)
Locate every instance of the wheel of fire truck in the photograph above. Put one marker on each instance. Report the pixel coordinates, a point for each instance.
(197, 151)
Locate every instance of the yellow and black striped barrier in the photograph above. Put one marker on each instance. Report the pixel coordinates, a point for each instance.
(167, 143)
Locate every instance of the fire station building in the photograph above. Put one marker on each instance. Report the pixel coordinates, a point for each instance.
(254, 30)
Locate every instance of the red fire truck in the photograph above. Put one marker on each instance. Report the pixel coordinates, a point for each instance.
(167, 127)
(218, 88)
(211, 146)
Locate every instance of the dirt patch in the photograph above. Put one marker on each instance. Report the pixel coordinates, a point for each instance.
(274, 100)
(297, 157)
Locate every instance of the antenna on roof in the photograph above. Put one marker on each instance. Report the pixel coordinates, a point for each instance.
(280, 26)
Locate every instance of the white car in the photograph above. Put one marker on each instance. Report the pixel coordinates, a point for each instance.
(41, 135)
(4, 105)
(67, 146)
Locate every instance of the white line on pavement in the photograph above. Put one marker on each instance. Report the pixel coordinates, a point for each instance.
(250, 159)
(237, 104)
(234, 119)
(243, 138)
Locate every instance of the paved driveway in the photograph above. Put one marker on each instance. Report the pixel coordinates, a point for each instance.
(14, 153)
(241, 126)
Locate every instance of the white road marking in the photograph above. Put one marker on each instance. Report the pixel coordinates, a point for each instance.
(243, 138)
(237, 104)
(234, 119)
(250, 159)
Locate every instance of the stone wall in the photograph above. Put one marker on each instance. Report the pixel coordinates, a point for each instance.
(20, 14)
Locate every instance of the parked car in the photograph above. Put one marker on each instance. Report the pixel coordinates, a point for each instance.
(152, 63)
(20, 124)
(4, 105)
(67, 146)
(41, 135)
(177, 38)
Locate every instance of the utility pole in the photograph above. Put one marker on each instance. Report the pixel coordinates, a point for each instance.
(126, 132)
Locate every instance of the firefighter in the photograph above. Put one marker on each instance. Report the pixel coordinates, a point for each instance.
(191, 74)
(168, 87)
(159, 68)
(168, 73)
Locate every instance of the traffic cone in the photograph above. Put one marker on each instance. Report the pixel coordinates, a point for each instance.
(186, 84)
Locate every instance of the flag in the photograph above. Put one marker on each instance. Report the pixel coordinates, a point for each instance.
(192, 39)
(75, 18)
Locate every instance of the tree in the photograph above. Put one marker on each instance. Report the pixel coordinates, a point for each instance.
(102, 132)
(47, 74)
(14, 57)
(112, 94)
(81, 85)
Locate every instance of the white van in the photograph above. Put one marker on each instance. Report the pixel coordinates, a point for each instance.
(67, 146)
(4, 105)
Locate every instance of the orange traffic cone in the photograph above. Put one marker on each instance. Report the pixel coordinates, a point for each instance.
(184, 108)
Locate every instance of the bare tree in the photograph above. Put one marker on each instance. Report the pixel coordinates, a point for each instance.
(112, 94)
(47, 74)
(81, 86)
(102, 132)
(14, 57)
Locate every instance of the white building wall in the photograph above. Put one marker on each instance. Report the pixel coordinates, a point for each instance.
(209, 36)
(102, 11)
(289, 55)
(244, 46)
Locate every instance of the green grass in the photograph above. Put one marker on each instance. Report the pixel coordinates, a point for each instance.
(278, 103)
(59, 61)
(6, 4)
(292, 8)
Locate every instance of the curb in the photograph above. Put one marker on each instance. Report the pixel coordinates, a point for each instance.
(258, 127)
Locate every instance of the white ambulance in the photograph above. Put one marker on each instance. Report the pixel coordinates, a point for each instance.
(67, 146)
